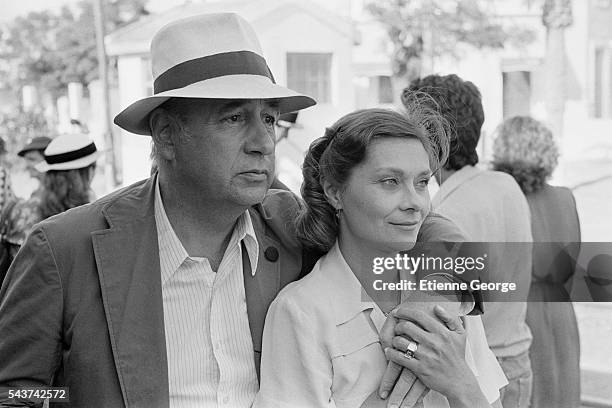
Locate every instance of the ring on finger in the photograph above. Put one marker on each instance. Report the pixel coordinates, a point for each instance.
(411, 349)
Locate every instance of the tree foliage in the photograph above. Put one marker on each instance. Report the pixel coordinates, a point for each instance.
(409, 23)
(19, 126)
(50, 49)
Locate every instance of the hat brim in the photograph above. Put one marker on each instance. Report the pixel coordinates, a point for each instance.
(134, 118)
(32, 148)
(80, 163)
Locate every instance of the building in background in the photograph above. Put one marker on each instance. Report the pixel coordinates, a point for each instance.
(337, 53)
(513, 80)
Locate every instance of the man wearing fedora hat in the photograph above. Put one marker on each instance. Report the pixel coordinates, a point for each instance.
(155, 296)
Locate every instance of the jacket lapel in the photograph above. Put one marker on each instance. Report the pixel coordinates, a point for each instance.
(260, 289)
(127, 258)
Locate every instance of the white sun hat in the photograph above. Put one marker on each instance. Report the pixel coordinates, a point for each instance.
(69, 152)
(211, 56)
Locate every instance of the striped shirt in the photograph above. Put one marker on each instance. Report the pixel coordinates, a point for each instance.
(208, 340)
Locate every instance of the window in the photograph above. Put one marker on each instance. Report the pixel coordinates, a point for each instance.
(310, 73)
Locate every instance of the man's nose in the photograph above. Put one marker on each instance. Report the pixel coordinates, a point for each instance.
(262, 139)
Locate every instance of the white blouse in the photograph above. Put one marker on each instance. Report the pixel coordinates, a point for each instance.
(321, 345)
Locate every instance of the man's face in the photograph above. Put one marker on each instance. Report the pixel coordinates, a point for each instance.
(227, 153)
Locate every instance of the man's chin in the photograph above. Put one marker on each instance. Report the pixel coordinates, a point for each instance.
(250, 196)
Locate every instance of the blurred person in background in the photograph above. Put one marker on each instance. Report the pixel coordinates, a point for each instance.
(490, 208)
(33, 153)
(7, 202)
(525, 149)
(6, 190)
(67, 169)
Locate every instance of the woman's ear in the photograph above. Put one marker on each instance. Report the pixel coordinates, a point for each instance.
(333, 195)
(162, 126)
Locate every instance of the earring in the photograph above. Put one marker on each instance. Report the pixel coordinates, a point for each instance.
(338, 212)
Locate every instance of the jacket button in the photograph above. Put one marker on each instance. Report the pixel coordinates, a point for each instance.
(271, 254)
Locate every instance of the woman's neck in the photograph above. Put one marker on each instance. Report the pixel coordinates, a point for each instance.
(360, 258)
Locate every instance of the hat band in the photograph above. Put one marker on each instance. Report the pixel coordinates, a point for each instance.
(70, 156)
(211, 66)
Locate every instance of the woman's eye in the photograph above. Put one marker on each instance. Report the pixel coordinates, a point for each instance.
(424, 182)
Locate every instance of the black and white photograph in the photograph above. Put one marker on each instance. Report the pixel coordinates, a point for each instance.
(306, 203)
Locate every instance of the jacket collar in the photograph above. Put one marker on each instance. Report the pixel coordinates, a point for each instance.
(127, 259)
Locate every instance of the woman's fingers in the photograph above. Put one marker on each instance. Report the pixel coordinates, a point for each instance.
(416, 395)
(389, 379)
(403, 388)
(387, 331)
(402, 359)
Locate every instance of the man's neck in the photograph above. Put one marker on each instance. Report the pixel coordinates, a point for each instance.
(203, 226)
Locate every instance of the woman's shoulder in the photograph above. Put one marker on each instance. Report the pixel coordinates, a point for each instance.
(310, 295)
(559, 195)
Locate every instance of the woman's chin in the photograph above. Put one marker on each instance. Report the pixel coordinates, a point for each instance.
(400, 245)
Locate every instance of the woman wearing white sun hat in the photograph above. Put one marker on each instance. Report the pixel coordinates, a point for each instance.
(68, 168)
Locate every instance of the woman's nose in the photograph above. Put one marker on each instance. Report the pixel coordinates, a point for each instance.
(412, 200)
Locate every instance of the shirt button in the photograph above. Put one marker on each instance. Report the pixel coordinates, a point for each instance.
(226, 400)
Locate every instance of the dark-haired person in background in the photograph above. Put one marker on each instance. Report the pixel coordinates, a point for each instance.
(33, 153)
(489, 207)
(6, 190)
(525, 149)
(65, 184)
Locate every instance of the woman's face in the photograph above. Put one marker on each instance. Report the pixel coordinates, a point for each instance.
(386, 199)
(32, 158)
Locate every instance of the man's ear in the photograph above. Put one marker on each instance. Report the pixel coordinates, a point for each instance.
(162, 126)
(333, 194)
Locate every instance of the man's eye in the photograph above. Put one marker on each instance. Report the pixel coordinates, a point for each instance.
(270, 120)
(234, 118)
(390, 181)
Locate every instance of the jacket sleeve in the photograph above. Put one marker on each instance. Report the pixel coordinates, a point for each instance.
(30, 319)
(438, 229)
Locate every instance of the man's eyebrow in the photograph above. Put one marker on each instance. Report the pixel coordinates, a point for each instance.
(273, 103)
(233, 104)
(237, 103)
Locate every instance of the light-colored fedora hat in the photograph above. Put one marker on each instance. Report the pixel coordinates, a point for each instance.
(212, 56)
(69, 152)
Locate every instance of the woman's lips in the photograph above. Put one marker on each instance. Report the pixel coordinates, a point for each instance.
(405, 225)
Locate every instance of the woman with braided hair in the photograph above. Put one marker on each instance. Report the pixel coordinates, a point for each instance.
(366, 194)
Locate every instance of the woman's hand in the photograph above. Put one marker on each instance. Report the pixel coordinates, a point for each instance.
(439, 359)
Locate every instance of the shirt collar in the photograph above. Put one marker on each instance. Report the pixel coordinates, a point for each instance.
(172, 253)
(453, 182)
(350, 298)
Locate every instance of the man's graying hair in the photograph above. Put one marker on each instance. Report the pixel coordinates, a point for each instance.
(177, 108)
